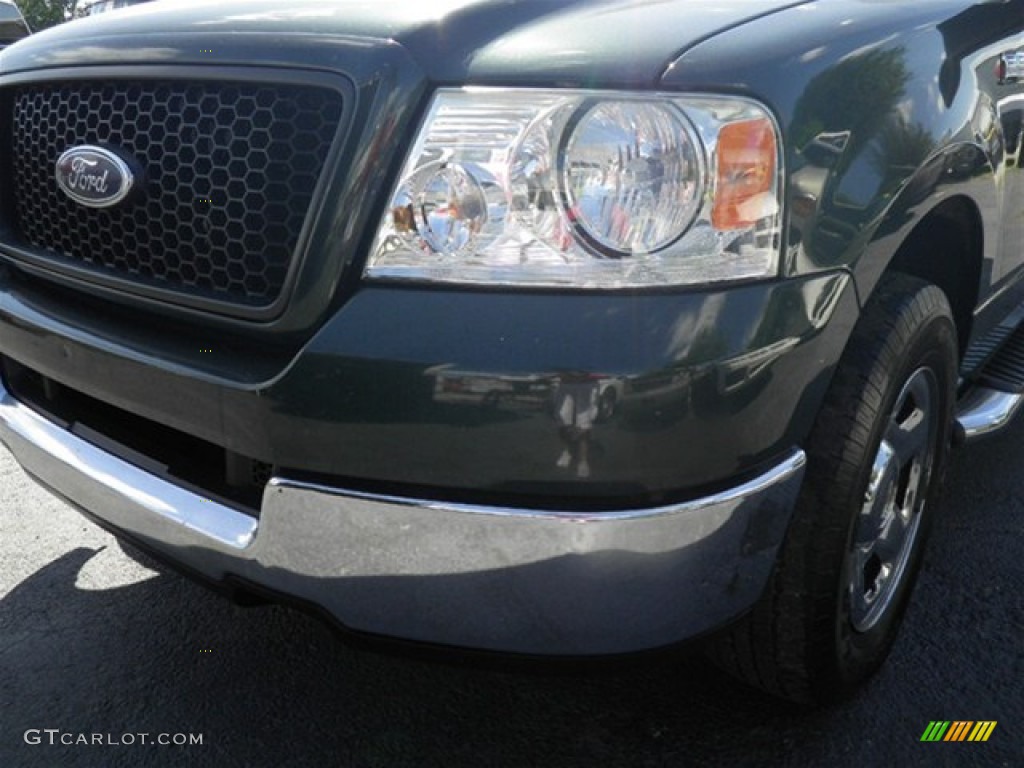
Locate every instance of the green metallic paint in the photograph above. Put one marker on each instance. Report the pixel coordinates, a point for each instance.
(714, 384)
(453, 41)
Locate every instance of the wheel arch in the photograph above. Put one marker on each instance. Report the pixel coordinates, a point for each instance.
(946, 248)
(941, 225)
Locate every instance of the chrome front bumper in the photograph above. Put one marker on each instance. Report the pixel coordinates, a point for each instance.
(522, 581)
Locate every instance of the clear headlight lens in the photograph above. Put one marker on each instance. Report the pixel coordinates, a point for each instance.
(633, 176)
(584, 189)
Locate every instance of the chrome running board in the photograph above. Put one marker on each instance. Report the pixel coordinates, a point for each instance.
(990, 405)
(984, 411)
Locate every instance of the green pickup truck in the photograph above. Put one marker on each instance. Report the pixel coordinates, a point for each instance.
(564, 329)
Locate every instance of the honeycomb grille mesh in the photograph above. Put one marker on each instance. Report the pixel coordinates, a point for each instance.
(228, 177)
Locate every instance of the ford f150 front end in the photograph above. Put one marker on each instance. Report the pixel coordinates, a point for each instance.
(475, 323)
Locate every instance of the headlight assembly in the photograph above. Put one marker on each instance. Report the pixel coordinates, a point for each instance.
(590, 189)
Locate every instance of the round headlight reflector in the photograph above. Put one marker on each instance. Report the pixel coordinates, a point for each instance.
(447, 204)
(633, 176)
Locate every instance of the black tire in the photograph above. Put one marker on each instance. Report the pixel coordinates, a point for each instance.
(845, 572)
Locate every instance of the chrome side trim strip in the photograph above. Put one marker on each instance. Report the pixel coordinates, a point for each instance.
(78, 460)
(986, 411)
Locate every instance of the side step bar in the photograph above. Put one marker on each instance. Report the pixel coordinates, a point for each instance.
(986, 411)
(991, 405)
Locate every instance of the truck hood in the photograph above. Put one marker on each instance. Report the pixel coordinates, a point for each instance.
(452, 41)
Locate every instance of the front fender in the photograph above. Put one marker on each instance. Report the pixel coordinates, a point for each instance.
(893, 115)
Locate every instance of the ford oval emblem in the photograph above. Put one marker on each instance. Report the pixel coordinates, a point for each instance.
(94, 177)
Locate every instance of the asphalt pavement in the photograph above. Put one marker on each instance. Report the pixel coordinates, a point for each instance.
(98, 646)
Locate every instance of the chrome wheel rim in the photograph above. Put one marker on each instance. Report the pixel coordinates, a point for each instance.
(890, 517)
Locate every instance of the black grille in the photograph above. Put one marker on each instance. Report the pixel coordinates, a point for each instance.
(229, 175)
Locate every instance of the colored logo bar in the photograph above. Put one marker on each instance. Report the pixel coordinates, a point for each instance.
(958, 730)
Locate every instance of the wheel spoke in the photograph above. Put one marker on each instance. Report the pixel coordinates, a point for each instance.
(860, 588)
(890, 543)
(909, 438)
(907, 506)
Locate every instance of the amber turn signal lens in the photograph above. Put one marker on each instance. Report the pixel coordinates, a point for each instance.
(745, 174)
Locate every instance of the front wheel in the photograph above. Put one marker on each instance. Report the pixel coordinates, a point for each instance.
(876, 455)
